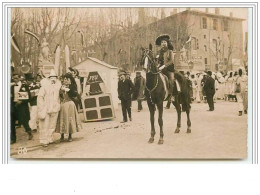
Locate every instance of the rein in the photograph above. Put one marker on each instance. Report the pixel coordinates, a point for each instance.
(157, 80)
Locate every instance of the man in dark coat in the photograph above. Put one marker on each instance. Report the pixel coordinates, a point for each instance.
(19, 108)
(209, 88)
(138, 95)
(125, 90)
(14, 81)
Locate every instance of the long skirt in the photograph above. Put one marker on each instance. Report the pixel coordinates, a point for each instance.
(68, 121)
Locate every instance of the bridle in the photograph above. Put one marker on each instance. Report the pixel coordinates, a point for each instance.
(146, 55)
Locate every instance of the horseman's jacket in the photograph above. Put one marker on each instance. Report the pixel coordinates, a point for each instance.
(166, 58)
(125, 89)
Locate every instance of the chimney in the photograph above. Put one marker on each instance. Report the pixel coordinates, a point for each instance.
(207, 10)
(231, 14)
(216, 10)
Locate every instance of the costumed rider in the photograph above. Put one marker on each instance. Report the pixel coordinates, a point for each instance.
(165, 60)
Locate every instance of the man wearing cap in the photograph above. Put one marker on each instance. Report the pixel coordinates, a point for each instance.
(139, 83)
(209, 88)
(75, 74)
(48, 103)
(166, 59)
(125, 90)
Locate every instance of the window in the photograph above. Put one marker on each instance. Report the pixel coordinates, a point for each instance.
(225, 25)
(215, 24)
(193, 43)
(205, 60)
(205, 36)
(205, 47)
(204, 23)
(215, 46)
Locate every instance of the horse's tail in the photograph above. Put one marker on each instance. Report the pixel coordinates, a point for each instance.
(185, 88)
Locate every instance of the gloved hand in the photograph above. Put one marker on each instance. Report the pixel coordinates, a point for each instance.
(162, 67)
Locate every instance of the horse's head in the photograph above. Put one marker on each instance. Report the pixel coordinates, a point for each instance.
(147, 61)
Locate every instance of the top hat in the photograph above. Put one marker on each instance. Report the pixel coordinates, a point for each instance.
(162, 37)
(52, 73)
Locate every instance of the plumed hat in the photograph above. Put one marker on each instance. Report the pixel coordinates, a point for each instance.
(74, 70)
(162, 37)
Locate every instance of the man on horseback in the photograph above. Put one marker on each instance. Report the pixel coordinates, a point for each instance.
(165, 60)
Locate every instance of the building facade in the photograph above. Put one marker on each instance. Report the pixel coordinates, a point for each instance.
(201, 40)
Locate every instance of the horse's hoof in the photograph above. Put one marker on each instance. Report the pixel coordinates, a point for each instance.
(160, 141)
(188, 130)
(151, 140)
(177, 131)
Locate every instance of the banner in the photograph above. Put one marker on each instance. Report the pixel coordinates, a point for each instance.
(14, 44)
(32, 34)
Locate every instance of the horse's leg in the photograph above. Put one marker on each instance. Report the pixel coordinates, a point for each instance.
(178, 109)
(188, 118)
(152, 110)
(160, 121)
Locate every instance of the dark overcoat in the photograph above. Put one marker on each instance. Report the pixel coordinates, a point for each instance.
(125, 89)
(209, 86)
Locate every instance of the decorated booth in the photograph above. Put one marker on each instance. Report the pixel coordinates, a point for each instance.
(99, 86)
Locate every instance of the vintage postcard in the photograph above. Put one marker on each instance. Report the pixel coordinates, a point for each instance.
(129, 83)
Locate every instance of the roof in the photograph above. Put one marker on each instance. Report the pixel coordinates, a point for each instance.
(100, 62)
(193, 12)
(211, 14)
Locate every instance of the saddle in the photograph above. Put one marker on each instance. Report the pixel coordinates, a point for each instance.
(166, 84)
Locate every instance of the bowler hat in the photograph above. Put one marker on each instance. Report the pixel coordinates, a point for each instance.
(162, 37)
(209, 73)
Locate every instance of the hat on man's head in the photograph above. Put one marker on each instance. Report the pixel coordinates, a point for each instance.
(52, 73)
(122, 73)
(209, 73)
(162, 37)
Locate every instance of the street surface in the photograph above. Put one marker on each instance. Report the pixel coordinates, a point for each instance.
(221, 134)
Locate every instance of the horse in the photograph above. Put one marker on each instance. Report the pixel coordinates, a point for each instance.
(155, 93)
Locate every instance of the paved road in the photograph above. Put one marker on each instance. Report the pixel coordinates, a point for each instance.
(220, 134)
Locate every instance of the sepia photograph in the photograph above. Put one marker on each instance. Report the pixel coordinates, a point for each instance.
(127, 83)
